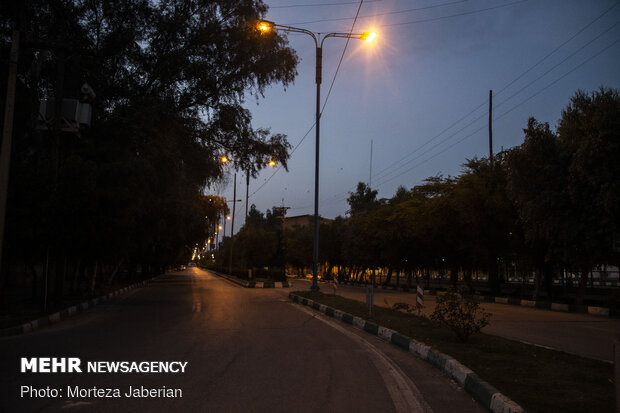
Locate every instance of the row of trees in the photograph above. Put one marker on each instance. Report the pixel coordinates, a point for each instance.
(170, 78)
(549, 204)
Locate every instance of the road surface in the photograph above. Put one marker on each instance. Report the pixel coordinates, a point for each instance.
(247, 350)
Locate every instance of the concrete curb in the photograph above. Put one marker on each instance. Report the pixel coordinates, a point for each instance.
(251, 284)
(482, 391)
(544, 305)
(68, 312)
(541, 305)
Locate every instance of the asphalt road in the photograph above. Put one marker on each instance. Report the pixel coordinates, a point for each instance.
(247, 350)
(582, 334)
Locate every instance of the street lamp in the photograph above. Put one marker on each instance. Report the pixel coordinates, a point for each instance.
(266, 26)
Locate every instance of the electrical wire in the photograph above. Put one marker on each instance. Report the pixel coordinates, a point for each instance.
(454, 15)
(366, 16)
(340, 62)
(381, 173)
(326, 98)
(589, 59)
(558, 64)
(385, 178)
(559, 47)
(322, 4)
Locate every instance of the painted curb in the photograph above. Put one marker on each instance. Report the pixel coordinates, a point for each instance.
(592, 310)
(482, 391)
(598, 311)
(250, 284)
(56, 317)
(560, 307)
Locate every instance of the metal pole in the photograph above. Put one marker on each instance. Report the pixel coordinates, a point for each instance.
(232, 226)
(7, 135)
(247, 191)
(491, 126)
(315, 254)
(221, 256)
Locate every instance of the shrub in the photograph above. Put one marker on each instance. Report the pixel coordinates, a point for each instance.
(459, 312)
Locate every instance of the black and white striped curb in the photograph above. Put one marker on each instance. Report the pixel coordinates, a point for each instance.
(67, 312)
(482, 391)
(594, 310)
(252, 284)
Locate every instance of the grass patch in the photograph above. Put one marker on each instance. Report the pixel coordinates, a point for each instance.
(540, 380)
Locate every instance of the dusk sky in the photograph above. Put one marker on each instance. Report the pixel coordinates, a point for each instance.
(420, 91)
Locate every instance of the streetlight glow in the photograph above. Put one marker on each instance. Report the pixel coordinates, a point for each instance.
(265, 26)
(224, 158)
(272, 163)
(368, 36)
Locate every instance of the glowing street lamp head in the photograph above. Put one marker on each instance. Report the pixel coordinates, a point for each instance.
(368, 36)
(224, 158)
(265, 26)
(272, 163)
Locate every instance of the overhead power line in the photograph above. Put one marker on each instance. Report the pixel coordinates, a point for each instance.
(366, 16)
(381, 174)
(326, 98)
(560, 46)
(589, 59)
(385, 178)
(342, 56)
(467, 13)
(290, 6)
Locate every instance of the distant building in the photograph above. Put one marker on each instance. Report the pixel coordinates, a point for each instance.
(300, 221)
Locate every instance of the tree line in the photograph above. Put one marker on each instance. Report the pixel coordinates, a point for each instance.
(128, 192)
(549, 204)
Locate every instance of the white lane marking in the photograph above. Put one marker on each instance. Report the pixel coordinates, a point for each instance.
(404, 393)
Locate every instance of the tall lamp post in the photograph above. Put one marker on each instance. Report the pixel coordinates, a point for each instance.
(266, 26)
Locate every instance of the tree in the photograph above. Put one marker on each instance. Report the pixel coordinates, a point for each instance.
(565, 184)
(589, 132)
(298, 247)
(487, 217)
(363, 199)
(170, 78)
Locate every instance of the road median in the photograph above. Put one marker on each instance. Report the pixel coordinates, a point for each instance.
(504, 375)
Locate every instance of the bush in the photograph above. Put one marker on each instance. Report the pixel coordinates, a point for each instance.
(459, 312)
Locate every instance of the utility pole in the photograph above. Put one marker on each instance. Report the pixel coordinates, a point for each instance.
(370, 173)
(232, 226)
(491, 125)
(7, 136)
(247, 191)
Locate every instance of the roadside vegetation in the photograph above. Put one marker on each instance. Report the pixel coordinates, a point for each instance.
(547, 209)
(539, 379)
(126, 197)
